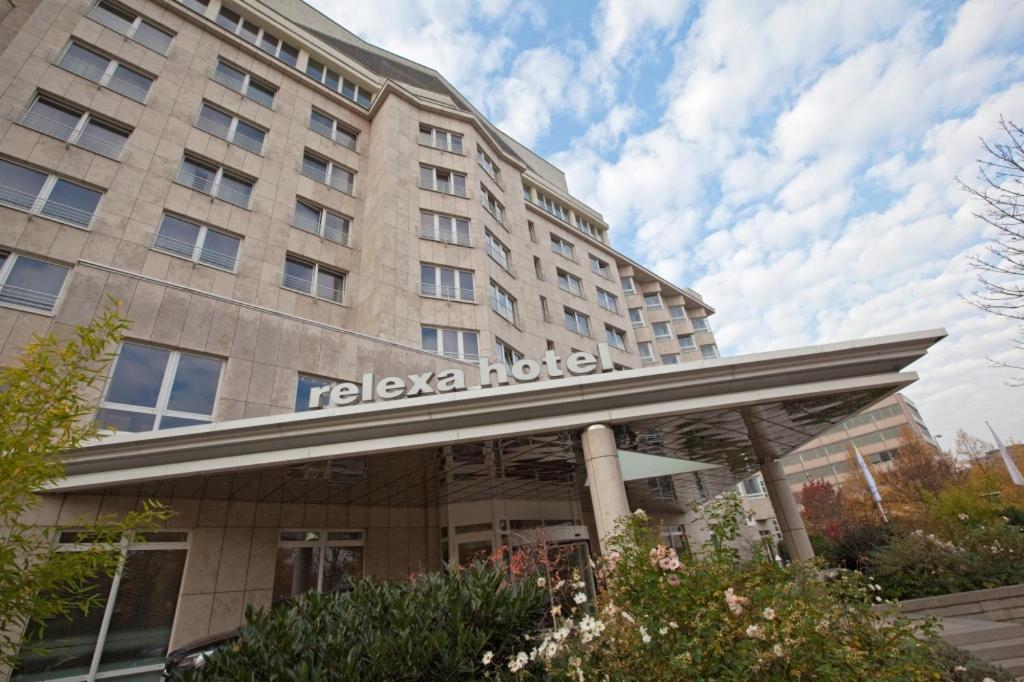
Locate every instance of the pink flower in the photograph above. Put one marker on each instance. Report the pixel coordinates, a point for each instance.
(672, 579)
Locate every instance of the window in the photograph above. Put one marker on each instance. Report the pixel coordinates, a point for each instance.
(599, 267)
(544, 312)
(238, 80)
(503, 303)
(628, 285)
(607, 300)
(552, 207)
(328, 173)
(636, 316)
(129, 630)
(441, 139)
(313, 279)
(216, 181)
(570, 283)
(661, 330)
(505, 353)
(258, 36)
(677, 312)
(30, 283)
(320, 221)
(441, 180)
(587, 227)
(75, 126)
(538, 268)
(496, 250)
(444, 228)
(487, 163)
(527, 196)
(709, 351)
(492, 205)
(700, 324)
(304, 386)
(646, 352)
(47, 195)
(670, 359)
(686, 342)
(332, 129)
(577, 322)
(344, 86)
(155, 388)
(196, 5)
(231, 128)
(652, 301)
(453, 343)
(563, 248)
(549, 344)
(197, 243)
(132, 26)
(448, 283)
(616, 337)
(532, 229)
(106, 72)
(323, 560)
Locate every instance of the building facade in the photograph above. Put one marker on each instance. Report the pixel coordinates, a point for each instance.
(302, 228)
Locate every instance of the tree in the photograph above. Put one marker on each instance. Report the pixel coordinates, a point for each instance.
(918, 472)
(1001, 191)
(822, 510)
(46, 401)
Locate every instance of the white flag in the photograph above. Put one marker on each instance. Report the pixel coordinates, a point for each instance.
(1007, 460)
(875, 495)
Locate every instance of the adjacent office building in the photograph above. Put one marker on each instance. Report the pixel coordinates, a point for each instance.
(371, 334)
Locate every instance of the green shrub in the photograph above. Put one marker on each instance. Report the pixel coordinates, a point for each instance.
(436, 626)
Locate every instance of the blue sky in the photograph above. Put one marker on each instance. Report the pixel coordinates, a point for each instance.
(792, 161)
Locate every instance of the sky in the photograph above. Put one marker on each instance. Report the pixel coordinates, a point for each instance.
(794, 162)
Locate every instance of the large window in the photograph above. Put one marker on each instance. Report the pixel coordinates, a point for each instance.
(709, 351)
(449, 283)
(47, 195)
(454, 343)
(496, 250)
(661, 330)
(577, 322)
(599, 267)
(562, 247)
(444, 228)
(505, 353)
(229, 127)
(701, 324)
(324, 560)
(214, 180)
(156, 388)
(569, 282)
(320, 221)
(331, 79)
(196, 5)
(587, 227)
(652, 301)
(607, 300)
(197, 242)
(441, 180)
(670, 359)
(106, 72)
(441, 139)
(646, 352)
(314, 279)
(492, 205)
(305, 384)
(503, 303)
(616, 337)
(487, 163)
(132, 26)
(128, 632)
(636, 316)
(552, 207)
(75, 126)
(686, 342)
(328, 172)
(628, 285)
(677, 312)
(238, 80)
(30, 283)
(258, 36)
(332, 129)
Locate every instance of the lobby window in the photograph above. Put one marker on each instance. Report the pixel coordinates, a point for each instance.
(328, 172)
(616, 337)
(661, 330)
(552, 207)
(214, 180)
(444, 228)
(577, 322)
(323, 560)
(503, 303)
(587, 227)
(105, 71)
(636, 316)
(305, 384)
(129, 630)
(652, 301)
(76, 126)
(599, 267)
(670, 359)
(532, 229)
(313, 279)
(563, 248)
(231, 128)
(700, 324)
(646, 352)
(132, 26)
(47, 195)
(30, 283)
(569, 282)
(258, 36)
(333, 129)
(244, 83)
(198, 243)
(156, 388)
(544, 312)
(686, 342)
(607, 300)
(487, 163)
(492, 205)
(677, 313)
(320, 221)
(628, 285)
(441, 180)
(709, 351)
(496, 250)
(441, 139)
(346, 88)
(460, 344)
(448, 283)
(505, 353)
(538, 268)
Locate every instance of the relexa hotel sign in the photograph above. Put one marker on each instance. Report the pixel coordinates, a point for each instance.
(449, 380)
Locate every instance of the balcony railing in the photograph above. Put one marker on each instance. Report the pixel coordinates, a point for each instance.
(54, 128)
(102, 78)
(49, 208)
(224, 132)
(178, 247)
(326, 291)
(503, 308)
(448, 293)
(334, 233)
(214, 188)
(446, 236)
(328, 132)
(27, 298)
(338, 179)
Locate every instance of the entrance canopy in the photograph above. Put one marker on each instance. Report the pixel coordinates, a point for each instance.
(701, 412)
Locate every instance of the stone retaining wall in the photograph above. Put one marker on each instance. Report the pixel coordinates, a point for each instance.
(999, 604)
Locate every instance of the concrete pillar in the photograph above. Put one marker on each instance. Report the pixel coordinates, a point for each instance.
(604, 476)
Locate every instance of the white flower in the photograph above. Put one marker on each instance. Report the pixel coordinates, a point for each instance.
(768, 613)
(488, 656)
(644, 636)
(519, 662)
(541, 582)
(663, 631)
(754, 631)
(579, 598)
(590, 628)
(640, 513)
(735, 602)
(672, 624)
(962, 516)
(777, 650)
(556, 610)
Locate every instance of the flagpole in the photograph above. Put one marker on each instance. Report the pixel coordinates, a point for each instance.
(1011, 466)
(875, 495)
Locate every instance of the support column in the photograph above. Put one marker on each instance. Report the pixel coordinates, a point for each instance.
(780, 493)
(604, 475)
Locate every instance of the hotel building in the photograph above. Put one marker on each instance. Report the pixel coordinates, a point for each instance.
(291, 214)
